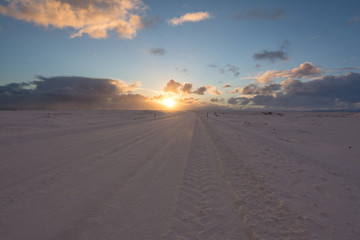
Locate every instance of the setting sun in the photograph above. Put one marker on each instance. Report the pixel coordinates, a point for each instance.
(169, 102)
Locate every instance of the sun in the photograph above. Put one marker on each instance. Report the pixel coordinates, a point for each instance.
(169, 102)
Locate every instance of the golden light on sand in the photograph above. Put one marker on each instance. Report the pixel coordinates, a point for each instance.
(169, 102)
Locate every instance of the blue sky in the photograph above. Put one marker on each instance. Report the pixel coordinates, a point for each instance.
(210, 52)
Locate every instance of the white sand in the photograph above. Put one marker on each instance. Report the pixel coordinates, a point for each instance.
(128, 175)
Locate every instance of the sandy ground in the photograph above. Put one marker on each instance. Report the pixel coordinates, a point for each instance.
(130, 175)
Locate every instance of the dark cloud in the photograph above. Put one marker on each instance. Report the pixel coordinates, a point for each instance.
(273, 56)
(151, 22)
(71, 93)
(263, 90)
(158, 51)
(239, 101)
(260, 13)
(328, 92)
(176, 87)
(200, 90)
(183, 70)
(216, 100)
(227, 85)
(345, 88)
(230, 68)
(345, 69)
(172, 86)
(187, 88)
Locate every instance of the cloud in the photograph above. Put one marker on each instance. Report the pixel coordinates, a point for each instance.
(183, 70)
(213, 90)
(263, 90)
(172, 86)
(236, 90)
(345, 69)
(327, 92)
(210, 89)
(306, 69)
(158, 51)
(226, 85)
(273, 56)
(189, 17)
(200, 91)
(216, 100)
(176, 87)
(151, 22)
(238, 101)
(93, 17)
(353, 20)
(72, 93)
(229, 68)
(259, 13)
(187, 88)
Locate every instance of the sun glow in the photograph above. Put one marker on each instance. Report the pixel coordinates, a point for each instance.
(169, 102)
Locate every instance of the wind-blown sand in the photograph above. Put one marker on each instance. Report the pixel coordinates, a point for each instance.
(130, 175)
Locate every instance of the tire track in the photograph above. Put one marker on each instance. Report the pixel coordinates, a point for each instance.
(102, 187)
(138, 191)
(263, 214)
(94, 155)
(204, 207)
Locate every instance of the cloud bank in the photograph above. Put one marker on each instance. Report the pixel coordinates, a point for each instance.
(93, 17)
(327, 92)
(189, 17)
(72, 93)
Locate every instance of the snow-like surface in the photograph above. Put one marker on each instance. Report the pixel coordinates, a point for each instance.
(131, 175)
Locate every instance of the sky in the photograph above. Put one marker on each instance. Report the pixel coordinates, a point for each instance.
(183, 54)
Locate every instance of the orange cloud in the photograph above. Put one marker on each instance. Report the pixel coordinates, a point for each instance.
(93, 17)
(236, 90)
(189, 17)
(213, 90)
(306, 69)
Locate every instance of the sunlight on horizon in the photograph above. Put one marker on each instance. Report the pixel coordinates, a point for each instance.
(169, 102)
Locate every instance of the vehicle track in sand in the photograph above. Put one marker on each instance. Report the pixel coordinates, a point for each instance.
(205, 209)
(100, 187)
(263, 213)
